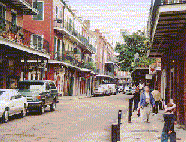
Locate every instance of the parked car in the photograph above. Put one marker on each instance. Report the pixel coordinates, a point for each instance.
(11, 103)
(112, 88)
(127, 89)
(107, 89)
(39, 94)
(101, 90)
(120, 89)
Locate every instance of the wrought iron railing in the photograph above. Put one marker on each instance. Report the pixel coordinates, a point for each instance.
(21, 36)
(70, 58)
(165, 2)
(74, 32)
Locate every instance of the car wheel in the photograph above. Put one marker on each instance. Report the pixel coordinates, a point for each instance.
(5, 117)
(53, 106)
(41, 110)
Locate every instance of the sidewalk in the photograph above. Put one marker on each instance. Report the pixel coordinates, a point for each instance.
(138, 131)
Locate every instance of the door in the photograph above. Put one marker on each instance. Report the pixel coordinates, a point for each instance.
(71, 86)
(13, 104)
(19, 103)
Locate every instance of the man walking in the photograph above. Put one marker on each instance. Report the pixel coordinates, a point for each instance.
(136, 98)
(145, 101)
(157, 97)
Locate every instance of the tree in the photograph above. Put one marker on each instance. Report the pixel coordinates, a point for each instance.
(134, 43)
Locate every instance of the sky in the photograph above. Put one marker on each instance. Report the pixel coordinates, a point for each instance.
(112, 15)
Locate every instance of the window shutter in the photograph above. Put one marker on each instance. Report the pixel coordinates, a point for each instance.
(39, 7)
(31, 41)
(54, 47)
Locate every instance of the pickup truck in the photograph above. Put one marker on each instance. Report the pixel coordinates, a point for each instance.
(39, 94)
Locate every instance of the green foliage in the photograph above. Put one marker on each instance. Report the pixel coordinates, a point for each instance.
(134, 43)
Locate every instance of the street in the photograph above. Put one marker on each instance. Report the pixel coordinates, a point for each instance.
(87, 119)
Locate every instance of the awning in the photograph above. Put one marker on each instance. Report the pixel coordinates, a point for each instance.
(109, 62)
(23, 48)
(169, 20)
(85, 70)
(60, 62)
(68, 65)
(106, 76)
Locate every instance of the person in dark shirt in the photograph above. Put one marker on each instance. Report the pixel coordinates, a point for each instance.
(136, 98)
(169, 121)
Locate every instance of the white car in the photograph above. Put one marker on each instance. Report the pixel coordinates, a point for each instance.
(112, 88)
(127, 89)
(101, 90)
(120, 89)
(11, 103)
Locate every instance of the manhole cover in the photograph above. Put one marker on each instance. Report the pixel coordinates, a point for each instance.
(144, 131)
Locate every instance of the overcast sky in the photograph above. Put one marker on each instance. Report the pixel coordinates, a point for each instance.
(112, 15)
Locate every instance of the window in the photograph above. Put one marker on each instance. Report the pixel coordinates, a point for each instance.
(2, 17)
(37, 42)
(56, 12)
(55, 48)
(40, 7)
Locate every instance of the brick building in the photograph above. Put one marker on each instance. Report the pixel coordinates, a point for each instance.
(15, 42)
(71, 46)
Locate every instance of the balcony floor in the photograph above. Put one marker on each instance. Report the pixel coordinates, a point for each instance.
(170, 20)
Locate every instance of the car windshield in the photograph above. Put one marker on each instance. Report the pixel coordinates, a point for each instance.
(3, 97)
(1, 92)
(52, 85)
(30, 85)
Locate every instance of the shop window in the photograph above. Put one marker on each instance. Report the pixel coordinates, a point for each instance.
(37, 42)
(40, 7)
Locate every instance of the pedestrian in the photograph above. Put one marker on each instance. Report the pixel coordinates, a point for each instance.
(130, 107)
(169, 121)
(136, 98)
(157, 97)
(141, 86)
(146, 99)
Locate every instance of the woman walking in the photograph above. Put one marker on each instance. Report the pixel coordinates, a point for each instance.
(145, 100)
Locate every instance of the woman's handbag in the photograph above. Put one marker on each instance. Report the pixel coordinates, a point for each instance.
(164, 137)
(138, 112)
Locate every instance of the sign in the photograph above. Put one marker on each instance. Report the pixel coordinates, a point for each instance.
(88, 76)
(148, 76)
(152, 69)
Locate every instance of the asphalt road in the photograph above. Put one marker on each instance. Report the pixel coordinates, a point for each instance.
(87, 119)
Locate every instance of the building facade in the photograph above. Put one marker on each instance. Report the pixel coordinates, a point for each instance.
(16, 44)
(167, 34)
(71, 46)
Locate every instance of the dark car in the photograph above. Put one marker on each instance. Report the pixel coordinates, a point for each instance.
(39, 94)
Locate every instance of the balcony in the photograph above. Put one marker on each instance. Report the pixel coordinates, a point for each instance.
(167, 19)
(69, 57)
(19, 38)
(73, 34)
(25, 5)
